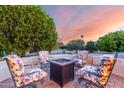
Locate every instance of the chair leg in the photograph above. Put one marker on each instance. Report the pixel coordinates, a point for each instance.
(92, 85)
(33, 86)
(80, 80)
(43, 65)
(37, 84)
(88, 85)
(99, 86)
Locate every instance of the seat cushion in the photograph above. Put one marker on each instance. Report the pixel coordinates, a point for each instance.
(91, 68)
(34, 75)
(86, 68)
(89, 73)
(37, 72)
(79, 62)
(31, 76)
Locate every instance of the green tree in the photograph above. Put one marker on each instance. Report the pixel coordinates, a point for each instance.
(63, 47)
(26, 28)
(59, 45)
(91, 46)
(75, 45)
(110, 42)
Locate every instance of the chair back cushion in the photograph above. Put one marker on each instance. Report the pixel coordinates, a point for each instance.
(43, 55)
(83, 55)
(89, 60)
(105, 69)
(15, 64)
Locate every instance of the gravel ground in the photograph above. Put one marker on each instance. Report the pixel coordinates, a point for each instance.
(114, 82)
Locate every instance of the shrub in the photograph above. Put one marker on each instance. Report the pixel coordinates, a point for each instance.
(26, 28)
(113, 41)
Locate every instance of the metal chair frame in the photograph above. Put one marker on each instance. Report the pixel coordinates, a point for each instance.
(42, 64)
(90, 84)
(30, 85)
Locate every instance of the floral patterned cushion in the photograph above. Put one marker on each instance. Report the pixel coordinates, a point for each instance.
(32, 76)
(106, 68)
(79, 62)
(89, 73)
(16, 65)
(43, 56)
(92, 77)
(18, 81)
(98, 74)
(89, 68)
(23, 78)
(83, 55)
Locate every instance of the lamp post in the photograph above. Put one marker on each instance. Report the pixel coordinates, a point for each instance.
(82, 36)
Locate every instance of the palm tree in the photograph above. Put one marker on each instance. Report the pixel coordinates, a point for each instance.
(82, 36)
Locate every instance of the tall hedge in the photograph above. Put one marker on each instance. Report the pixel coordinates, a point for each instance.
(111, 42)
(75, 45)
(91, 46)
(26, 28)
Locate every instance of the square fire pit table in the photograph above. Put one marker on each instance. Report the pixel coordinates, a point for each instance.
(62, 70)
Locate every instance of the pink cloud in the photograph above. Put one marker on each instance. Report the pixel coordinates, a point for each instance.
(93, 24)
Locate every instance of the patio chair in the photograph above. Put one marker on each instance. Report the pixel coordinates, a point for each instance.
(82, 58)
(19, 76)
(43, 56)
(97, 76)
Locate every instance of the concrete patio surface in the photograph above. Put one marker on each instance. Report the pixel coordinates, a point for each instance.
(116, 80)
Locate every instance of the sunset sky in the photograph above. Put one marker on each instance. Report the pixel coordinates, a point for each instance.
(91, 21)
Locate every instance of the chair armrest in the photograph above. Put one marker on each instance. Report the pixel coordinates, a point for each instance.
(96, 73)
(95, 64)
(75, 57)
(50, 57)
(27, 65)
(30, 73)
